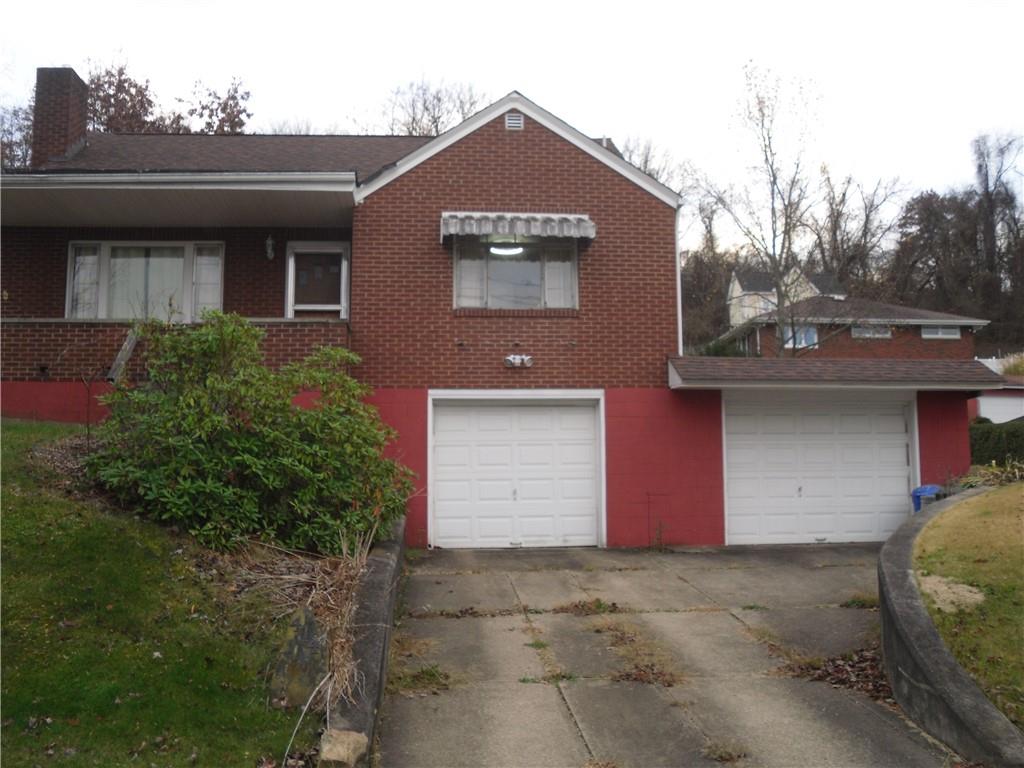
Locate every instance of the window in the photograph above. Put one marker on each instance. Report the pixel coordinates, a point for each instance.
(523, 275)
(173, 282)
(940, 331)
(871, 332)
(801, 336)
(318, 278)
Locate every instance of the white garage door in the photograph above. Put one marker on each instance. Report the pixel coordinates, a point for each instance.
(823, 469)
(515, 475)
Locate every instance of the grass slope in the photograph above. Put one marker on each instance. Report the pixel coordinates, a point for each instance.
(980, 542)
(119, 645)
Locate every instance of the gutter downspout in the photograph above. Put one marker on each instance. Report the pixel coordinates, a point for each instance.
(679, 281)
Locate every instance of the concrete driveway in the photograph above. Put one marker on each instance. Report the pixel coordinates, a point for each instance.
(602, 658)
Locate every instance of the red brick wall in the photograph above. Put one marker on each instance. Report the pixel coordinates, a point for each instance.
(402, 317)
(68, 350)
(59, 118)
(33, 270)
(906, 344)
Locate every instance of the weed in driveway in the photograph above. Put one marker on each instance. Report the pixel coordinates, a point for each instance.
(428, 679)
(755, 607)
(777, 648)
(724, 752)
(865, 600)
(594, 607)
(646, 662)
(537, 645)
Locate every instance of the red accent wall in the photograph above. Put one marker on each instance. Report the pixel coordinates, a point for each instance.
(53, 401)
(943, 438)
(406, 411)
(906, 344)
(664, 467)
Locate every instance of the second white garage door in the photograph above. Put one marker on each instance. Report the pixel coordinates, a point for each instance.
(814, 469)
(515, 475)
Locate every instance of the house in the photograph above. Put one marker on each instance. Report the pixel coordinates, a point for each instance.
(1000, 405)
(829, 326)
(512, 287)
(752, 291)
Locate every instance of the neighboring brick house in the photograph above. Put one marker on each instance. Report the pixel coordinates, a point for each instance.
(512, 287)
(827, 326)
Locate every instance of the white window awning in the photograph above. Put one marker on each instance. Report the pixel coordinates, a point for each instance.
(482, 224)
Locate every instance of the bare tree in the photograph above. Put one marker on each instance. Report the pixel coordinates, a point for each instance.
(851, 227)
(652, 160)
(424, 109)
(772, 213)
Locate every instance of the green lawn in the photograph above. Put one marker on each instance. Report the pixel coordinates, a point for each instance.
(119, 645)
(980, 542)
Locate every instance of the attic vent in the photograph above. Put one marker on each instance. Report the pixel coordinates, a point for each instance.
(513, 121)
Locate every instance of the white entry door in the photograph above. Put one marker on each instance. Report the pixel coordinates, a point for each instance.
(514, 475)
(816, 468)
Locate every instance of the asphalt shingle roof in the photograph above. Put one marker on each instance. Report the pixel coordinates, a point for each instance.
(854, 309)
(153, 152)
(815, 370)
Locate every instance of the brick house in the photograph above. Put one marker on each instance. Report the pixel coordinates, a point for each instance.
(512, 287)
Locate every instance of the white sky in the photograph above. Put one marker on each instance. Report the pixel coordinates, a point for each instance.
(899, 88)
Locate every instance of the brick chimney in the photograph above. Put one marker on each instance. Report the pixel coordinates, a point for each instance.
(58, 124)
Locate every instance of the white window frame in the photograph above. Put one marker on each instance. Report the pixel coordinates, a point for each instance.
(456, 258)
(871, 331)
(188, 283)
(309, 246)
(948, 332)
(792, 336)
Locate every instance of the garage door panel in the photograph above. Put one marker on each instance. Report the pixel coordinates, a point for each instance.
(841, 475)
(535, 454)
(521, 475)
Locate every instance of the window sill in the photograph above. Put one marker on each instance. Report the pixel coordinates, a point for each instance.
(484, 312)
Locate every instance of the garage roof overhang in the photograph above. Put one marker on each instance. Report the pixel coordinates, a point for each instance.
(177, 199)
(820, 373)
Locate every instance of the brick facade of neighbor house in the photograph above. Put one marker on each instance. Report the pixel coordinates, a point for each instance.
(906, 343)
(624, 329)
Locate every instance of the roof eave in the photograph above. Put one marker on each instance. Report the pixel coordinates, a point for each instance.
(307, 181)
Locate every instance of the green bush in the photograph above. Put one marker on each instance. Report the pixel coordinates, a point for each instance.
(213, 441)
(997, 443)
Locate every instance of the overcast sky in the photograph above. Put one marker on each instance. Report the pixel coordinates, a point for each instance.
(896, 89)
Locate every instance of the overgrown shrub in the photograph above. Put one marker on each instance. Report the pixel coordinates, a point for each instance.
(1012, 471)
(997, 442)
(213, 441)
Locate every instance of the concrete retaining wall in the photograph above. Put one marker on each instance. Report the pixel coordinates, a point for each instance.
(933, 689)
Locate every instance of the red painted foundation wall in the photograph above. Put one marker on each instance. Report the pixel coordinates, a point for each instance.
(945, 446)
(664, 467)
(67, 401)
(405, 410)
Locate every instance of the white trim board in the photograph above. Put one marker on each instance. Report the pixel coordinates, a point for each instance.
(515, 101)
(522, 397)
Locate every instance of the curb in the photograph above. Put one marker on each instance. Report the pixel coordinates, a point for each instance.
(930, 686)
(349, 739)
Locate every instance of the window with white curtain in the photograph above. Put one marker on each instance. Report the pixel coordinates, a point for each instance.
(541, 274)
(174, 282)
(801, 336)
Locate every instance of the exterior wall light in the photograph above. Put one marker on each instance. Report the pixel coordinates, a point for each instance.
(270, 247)
(518, 361)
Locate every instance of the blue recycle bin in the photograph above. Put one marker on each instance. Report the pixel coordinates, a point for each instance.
(923, 492)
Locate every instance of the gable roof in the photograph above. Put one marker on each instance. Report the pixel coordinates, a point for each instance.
(825, 309)
(241, 153)
(515, 101)
(753, 280)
